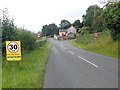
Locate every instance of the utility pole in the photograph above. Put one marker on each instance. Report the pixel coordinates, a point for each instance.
(94, 14)
(94, 11)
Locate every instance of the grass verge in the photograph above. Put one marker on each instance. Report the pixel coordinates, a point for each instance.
(27, 74)
(104, 46)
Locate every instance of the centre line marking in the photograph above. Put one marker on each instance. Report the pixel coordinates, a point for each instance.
(71, 52)
(88, 61)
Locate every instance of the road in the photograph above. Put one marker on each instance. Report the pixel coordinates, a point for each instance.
(70, 67)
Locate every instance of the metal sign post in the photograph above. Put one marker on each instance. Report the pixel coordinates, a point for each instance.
(95, 39)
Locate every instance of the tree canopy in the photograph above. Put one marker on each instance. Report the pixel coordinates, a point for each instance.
(50, 29)
(77, 24)
(90, 15)
(111, 19)
(65, 24)
(106, 18)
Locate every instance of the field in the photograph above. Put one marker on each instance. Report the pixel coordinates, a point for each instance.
(29, 73)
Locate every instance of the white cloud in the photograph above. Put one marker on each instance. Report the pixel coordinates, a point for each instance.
(36, 13)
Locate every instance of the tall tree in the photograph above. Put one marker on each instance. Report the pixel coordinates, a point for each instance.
(111, 19)
(45, 31)
(77, 24)
(53, 28)
(90, 15)
(97, 25)
(50, 29)
(65, 24)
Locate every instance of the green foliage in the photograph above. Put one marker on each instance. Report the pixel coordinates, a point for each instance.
(106, 18)
(90, 15)
(111, 19)
(77, 24)
(65, 24)
(45, 31)
(105, 33)
(107, 23)
(97, 25)
(84, 39)
(85, 30)
(41, 42)
(50, 29)
(8, 30)
(11, 33)
(28, 40)
(103, 44)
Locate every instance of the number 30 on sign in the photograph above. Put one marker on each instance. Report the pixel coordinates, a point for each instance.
(13, 50)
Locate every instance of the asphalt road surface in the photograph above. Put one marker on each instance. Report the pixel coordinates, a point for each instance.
(70, 67)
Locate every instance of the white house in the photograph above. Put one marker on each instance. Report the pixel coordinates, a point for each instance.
(71, 30)
(67, 31)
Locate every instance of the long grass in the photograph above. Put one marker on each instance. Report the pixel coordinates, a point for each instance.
(102, 45)
(27, 74)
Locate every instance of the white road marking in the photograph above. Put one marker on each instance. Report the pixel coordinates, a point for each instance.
(71, 52)
(88, 61)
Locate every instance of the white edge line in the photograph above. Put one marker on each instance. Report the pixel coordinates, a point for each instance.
(70, 52)
(88, 61)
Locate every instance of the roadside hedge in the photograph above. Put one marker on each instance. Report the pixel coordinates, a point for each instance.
(10, 32)
(41, 42)
(28, 40)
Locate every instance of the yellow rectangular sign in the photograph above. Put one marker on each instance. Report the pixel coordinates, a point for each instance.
(13, 50)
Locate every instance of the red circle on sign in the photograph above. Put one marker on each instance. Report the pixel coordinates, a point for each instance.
(95, 34)
(13, 47)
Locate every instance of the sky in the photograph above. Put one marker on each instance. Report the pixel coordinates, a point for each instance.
(34, 14)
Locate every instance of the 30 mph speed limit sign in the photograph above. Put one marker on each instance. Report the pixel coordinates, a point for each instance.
(13, 50)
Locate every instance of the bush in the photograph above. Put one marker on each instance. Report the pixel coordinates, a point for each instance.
(85, 38)
(8, 31)
(11, 33)
(111, 19)
(41, 42)
(85, 30)
(28, 40)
